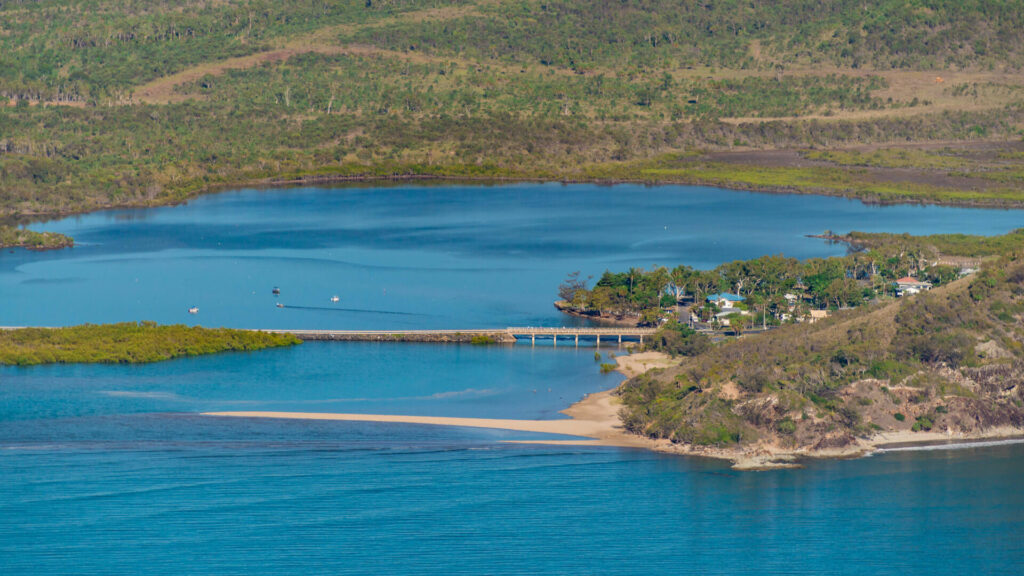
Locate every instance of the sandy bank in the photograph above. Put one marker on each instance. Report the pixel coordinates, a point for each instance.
(594, 421)
(567, 427)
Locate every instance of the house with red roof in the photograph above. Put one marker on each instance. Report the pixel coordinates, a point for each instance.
(910, 285)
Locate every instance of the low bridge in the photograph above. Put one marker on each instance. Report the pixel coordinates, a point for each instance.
(497, 335)
(610, 334)
(480, 336)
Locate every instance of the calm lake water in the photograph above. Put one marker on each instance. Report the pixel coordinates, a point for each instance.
(416, 257)
(109, 469)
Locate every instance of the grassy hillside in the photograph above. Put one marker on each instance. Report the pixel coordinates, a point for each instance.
(949, 359)
(111, 102)
(127, 343)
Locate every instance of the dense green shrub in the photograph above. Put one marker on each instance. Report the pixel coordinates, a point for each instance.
(786, 426)
(678, 339)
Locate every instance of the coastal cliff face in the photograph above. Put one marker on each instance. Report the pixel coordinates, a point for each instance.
(949, 361)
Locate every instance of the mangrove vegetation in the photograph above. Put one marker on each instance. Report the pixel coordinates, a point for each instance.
(128, 343)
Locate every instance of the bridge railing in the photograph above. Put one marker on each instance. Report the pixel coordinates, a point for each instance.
(625, 331)
(384, 332)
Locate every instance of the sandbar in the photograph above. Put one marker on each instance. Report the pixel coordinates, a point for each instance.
(594, 420)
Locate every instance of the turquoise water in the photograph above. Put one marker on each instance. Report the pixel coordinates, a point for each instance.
(368, 377)
(109, 469)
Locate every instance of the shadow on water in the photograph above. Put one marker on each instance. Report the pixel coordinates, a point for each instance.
(353, 310)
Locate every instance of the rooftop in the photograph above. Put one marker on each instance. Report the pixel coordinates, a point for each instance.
(726, 296)
(910, 280)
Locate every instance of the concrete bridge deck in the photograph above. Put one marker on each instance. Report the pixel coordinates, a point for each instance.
(476, 335)
(498, 335)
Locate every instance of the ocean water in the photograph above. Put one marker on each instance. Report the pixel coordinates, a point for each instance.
(111, 469)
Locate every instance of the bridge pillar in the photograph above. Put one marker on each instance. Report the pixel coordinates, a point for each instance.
(641, 340)
(620, 339)
(577, 340)
(533, 339)
(554, 339)
(598, 340)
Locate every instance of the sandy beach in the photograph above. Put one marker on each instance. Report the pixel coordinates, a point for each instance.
(594, 421)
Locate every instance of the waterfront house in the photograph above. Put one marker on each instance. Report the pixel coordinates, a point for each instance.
(911, 285)
(725, 300)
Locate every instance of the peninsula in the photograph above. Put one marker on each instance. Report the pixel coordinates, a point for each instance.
(913, 361)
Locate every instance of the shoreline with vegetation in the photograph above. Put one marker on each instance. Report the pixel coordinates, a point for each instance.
(104, 108)
(673, 169)
(11, 237)
(128, 343)
(904, 339)
(892, 175)
(596, 421)
(763, 457)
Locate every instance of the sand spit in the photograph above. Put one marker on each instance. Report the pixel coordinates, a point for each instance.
(566, 427)
(594, 421)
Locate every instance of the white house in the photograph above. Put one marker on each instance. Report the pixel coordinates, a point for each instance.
(911, 285)
(725, 300)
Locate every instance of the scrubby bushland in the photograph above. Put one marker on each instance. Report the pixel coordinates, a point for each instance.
(509, 89)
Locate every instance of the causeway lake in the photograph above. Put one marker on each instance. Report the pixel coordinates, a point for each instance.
(110, 469)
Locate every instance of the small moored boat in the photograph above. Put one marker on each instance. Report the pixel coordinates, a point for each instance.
(193, 310)
(279, 305)
(276, 291)
(335, 298)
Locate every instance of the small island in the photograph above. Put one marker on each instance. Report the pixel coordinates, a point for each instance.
(128, 343)
(13, 237)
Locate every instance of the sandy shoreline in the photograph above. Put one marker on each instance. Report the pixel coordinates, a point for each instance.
(594, 421)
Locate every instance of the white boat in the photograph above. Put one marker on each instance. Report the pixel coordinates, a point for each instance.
(193, 310)
(279, 305)
(335, 298)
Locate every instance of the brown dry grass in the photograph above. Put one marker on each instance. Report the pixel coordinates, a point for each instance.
(998, 90)
(322, 41)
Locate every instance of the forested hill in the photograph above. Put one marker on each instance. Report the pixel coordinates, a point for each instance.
(950, 360)
(133, 102)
